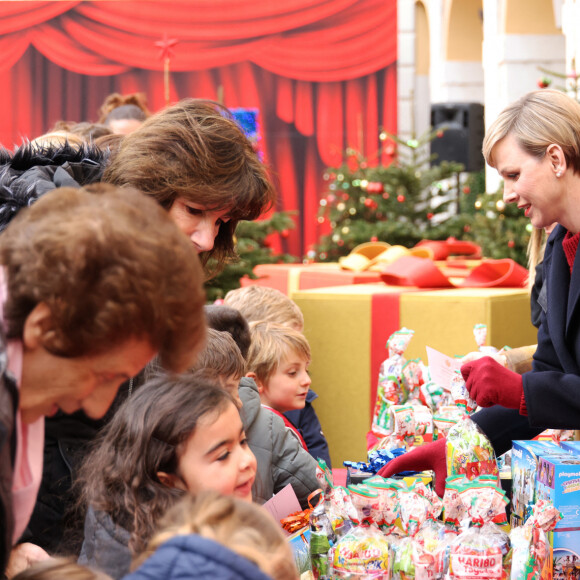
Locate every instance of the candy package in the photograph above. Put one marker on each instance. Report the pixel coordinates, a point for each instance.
(391, 389)
(321, 539)
(413, 375)
(417, 555)
(410, 423)
(433, 395)
(460, 394)
(444, 418)
(363, 552)
(480, 334)
(469, 451)
(481, 551)
(530, 548)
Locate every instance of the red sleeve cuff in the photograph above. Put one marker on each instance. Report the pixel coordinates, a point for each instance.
(523, 406)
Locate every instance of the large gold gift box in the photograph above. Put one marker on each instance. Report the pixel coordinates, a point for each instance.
(348, 328)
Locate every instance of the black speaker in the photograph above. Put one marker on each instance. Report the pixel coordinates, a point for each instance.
(462, 131)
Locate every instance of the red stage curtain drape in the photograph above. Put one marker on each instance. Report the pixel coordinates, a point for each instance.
(321, 72)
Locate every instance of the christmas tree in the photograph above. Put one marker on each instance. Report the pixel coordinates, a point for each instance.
(400, 203)
(253, 247)
(501, 229)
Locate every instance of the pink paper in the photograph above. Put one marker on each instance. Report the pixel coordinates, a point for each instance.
(283, 503)
(442, 367)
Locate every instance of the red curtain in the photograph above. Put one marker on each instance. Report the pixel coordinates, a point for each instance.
(321, 72)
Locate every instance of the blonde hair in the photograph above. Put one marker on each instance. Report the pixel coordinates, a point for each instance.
(57, 138)
(263, 303)
(271, 345)
(243, 527)
(60, 569)
(535, 252)
(536, 120)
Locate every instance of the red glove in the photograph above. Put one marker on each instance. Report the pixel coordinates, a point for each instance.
(430, 456)
(491, 384)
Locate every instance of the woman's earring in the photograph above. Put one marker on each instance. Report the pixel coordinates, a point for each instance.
(559, 174)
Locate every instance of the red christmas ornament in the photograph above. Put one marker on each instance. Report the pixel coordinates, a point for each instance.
(374, 239)
(363, 165)
(429, 216)
(544, 82)
(439, 134)
(511, 244)
(284, 233)
(345, 196)
(390, 150)
(467, 190)
(369, 202)
(340, 242)
(466, 228)
(375, 187)
(400, 198)
(386, 195)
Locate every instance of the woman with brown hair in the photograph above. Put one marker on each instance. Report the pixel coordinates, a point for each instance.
(196, 162)
(87, 298)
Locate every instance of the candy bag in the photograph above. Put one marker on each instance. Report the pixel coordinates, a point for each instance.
(530, 548)
(460, 394)
(432, 394)
(469, 451)
(413, 377)
(479, 551)
(391, 389)
(444, 418)
(363, 552)
(321, 539)
(414, 556)
(480, 334)
(388, 509)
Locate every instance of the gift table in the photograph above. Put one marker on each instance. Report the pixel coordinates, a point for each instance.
(348, 326)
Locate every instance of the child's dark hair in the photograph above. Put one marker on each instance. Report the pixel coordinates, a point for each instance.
(145, 437)
(227, 319)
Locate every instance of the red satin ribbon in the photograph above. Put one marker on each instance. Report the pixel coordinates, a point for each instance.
(423, 273)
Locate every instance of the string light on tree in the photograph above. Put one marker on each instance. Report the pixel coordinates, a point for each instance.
(387, 202)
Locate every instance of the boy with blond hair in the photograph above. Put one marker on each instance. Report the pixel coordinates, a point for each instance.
(260, 303)
(278, 362)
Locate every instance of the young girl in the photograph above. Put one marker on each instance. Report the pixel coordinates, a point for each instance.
(175, 435)
(218, 537)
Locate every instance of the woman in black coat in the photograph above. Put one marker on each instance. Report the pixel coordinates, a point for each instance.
(535, 146)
